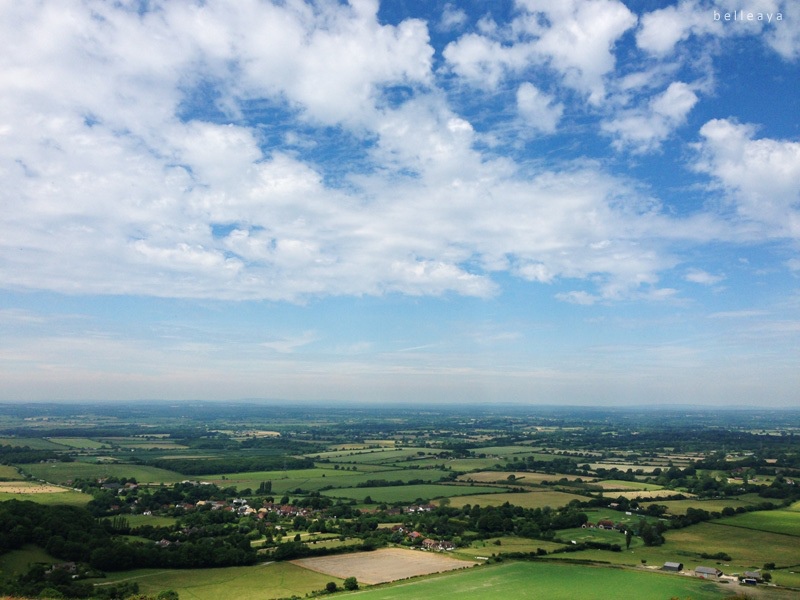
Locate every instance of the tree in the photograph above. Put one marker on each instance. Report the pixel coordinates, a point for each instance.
(350, 584)
(331, 587)
(628, 538)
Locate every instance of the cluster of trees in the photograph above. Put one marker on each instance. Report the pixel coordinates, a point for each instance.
(10, 455)
(73, 534)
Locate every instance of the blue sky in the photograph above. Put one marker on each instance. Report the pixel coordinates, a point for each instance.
(543, 202)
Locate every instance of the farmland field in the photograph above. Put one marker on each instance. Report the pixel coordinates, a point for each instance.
(549, 580)
(19, 561)
(748, 548)
(41, 493)
(521, 477)
(65, 472)
(523, 499)
(786, 522)
(273, 580)
(380, 566)
(79, 443)
(7, 472)
(316, 479)
(31, 442)
(679, 507)
(409, 493)
(616, 484)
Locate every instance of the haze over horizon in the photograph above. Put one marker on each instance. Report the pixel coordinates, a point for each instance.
(577, 202)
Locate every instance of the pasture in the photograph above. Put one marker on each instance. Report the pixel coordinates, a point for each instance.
(520, 477)
(30, 442)
(679, 507)
(67, 472)
(316, 479)
(17, 562)
(79, 443)
(9, 473)
(618, 484)
(549, 580)
(786, 522)
(409, 493)
(747, 548)
(381, 566)
(537, 499)
(270, 580)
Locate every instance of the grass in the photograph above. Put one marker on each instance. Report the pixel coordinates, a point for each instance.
(316, 479)
(547, 580)
(19, 561)
(786, 522)
(679, 507)
(409, 493)
(521, 477)
(9, 473)
(617, 484)
(273, 580)
(32, 443)
(526, 499)
(79, 443)
(67, 497)
(66, 472)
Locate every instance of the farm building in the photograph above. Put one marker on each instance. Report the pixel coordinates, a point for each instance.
(707, 572)
(672, 566)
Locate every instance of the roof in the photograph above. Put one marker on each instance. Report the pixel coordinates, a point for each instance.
(673, 566)
(707, 570)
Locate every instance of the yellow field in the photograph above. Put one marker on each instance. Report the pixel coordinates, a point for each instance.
(25, 487)
(381, 566)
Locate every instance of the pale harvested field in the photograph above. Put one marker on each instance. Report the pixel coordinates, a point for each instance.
(382, 566)
(23, 487)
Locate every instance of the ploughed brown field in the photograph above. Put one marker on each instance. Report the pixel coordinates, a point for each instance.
(382, 566)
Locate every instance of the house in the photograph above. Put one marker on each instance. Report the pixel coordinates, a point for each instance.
(754, 575)
(707, 572)
(672, 566)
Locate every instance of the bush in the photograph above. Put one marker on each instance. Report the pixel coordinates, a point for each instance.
(350, 584)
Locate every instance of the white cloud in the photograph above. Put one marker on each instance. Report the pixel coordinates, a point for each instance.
(452, 17)
(775, 21)
(703, 277)
(575, 38)
(760, 177)
(537, 109)
(646, 128)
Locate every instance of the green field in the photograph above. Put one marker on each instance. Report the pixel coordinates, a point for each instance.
(548, 580)
(679, 507)
(409, 493)
(79, 443)
(777, 521)
(9, 473)
(32, 443)
(65, 472)
(67, 497)
(273, 580)
(616, 484)
(538, 499)
(17, 562)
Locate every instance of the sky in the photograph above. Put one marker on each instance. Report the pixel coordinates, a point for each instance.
(574, 202)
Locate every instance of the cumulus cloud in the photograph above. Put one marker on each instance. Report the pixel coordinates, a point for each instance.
(760, 177)
(574, 38)
(703, 277)
(644, 129)
(539, 111)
